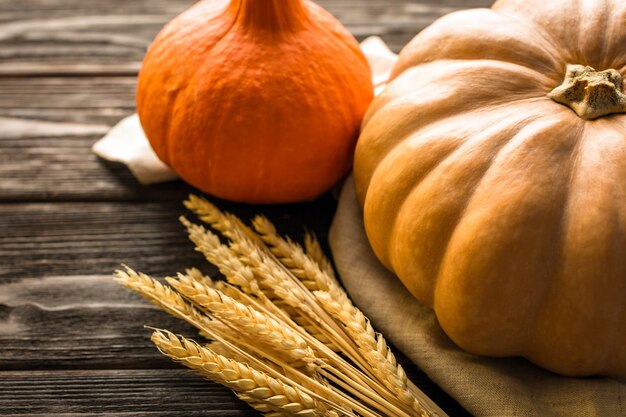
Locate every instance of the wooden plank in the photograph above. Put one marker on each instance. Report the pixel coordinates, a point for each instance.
(11, 11)
(94, 36)
(87, 100)
(107, 393)
(140, 393)
(48, 126)
(79, 322)
(88, 36)
(38, 69)
(65, 169)
(46, 239)
(61, 323)
(80, 238)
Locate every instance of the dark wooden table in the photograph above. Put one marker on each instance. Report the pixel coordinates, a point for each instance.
(72, 341)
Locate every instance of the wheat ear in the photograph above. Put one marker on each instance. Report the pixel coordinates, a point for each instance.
(313, 248)
(262, 406)
(159, 294)
(222, 256)
(254, 323)
(292, 256)
(238, 376)
(301, 265)
(226, 223)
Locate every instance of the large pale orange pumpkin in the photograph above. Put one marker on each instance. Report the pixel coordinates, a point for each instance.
(255, 100)
(492, 172)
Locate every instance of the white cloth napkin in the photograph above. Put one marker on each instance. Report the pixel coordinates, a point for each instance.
(486, 387)
(127, 143)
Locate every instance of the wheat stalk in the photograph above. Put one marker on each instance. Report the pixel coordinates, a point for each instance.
(312, 268)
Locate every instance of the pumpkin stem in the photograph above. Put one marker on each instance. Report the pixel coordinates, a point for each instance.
(271, 15)
(590, 93)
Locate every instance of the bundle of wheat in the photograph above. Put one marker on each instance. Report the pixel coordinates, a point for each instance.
(284, 335)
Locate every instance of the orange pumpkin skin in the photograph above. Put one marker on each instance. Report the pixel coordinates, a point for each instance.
(255, 101)
(498, 207)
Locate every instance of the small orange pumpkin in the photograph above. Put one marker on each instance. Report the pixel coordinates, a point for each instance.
(256, 101)
(492, 171)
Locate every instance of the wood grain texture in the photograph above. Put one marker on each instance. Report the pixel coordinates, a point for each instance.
(79, 322)
(125, 392)
(81, 238)
(87, 100)
(107, 393)
(117, 32)
(47, 239)
(72, 341)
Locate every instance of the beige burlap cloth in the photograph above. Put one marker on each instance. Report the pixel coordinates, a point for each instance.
(483, 386)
